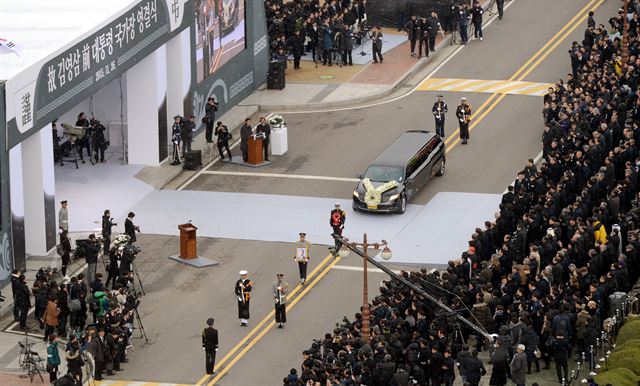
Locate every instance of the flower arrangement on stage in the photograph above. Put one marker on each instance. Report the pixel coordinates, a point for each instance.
(276, 120)
(373, 196)
(121, 240)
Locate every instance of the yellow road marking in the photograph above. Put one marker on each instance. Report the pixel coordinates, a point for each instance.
(453, 138)
(491, 100)
(264, 321)
(491, 86)
(527, 72)
(469, 86)
(273, 323)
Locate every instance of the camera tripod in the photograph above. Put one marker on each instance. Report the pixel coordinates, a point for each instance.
(30, 361)
(143, 333)
(135, 272)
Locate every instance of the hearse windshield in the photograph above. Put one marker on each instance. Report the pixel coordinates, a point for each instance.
(384, 173)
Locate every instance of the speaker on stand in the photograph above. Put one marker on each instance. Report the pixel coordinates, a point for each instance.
(275, 78)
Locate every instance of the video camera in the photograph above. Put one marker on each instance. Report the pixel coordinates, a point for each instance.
(131, 249)
(74, 132)
(82, 247)
(133, 299)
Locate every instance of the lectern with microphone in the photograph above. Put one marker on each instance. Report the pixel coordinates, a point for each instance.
(188, 241)
(188, 252)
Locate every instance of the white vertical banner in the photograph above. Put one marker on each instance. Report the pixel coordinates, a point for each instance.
(142, 113)
(34, 207)
(176, 13)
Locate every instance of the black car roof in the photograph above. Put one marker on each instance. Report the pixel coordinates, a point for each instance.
(404, 148)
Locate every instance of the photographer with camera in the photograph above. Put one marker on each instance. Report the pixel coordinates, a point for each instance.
(83, 142)
(113, 271)
(223, 137)
(98, 141)
(130, 229)
(107, 224)
(209, 117)
(127, 255)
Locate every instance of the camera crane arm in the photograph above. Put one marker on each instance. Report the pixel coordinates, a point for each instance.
(441, 289)
(477, 329)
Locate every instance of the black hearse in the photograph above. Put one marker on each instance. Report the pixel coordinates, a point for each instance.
(400, 172)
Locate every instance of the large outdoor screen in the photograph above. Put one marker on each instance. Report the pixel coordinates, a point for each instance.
(220, 34)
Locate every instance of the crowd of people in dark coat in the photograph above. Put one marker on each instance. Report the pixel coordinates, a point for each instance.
(546, 277)
(328, 31)
(64, 310)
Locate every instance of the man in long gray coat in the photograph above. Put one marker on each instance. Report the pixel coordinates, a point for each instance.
(519, 366)
(63, 217)
(245, 133)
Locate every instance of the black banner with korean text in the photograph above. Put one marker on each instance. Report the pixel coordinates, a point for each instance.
(88, 65)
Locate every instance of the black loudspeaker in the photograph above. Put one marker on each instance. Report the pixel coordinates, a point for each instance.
(192, 160)
(275, 78)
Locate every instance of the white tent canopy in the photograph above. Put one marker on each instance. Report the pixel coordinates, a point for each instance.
(39, 28)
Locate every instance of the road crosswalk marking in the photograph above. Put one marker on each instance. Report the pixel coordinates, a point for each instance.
(487, 86)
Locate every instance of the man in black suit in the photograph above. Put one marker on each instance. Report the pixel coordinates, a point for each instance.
(245, 133)
(265, 129)
(210, 345)
(130, 229)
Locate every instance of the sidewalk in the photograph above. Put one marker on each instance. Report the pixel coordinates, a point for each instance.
(331, 87)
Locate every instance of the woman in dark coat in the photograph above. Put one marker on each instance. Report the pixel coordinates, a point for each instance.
(63, 306)
(499, 358)
(75, 362)
(65, 244)
(113, 270)
(531, 342)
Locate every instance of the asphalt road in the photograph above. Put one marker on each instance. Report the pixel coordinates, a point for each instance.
(341, 144)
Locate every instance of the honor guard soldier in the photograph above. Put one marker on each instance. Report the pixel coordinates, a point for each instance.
(280, 290)
(210, 345)
(463, 112)
(439, 110)
(337, 219)
(302, 256)
(243, 293)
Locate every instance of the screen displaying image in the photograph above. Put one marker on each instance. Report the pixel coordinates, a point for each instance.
(220, 34)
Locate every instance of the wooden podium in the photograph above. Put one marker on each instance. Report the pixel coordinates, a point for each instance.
(255, 150)
(187, 241)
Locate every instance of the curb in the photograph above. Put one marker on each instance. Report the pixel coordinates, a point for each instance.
(368, 98)
(360, 100)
